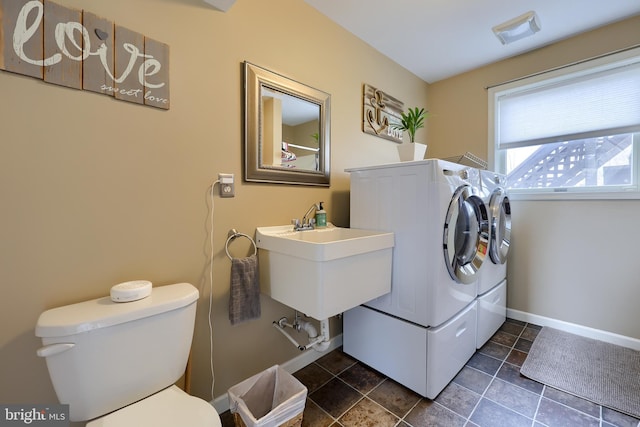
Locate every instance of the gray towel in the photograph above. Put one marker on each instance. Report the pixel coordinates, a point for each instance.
(244, 301)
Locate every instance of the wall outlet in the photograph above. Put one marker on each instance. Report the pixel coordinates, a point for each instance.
(227, 188)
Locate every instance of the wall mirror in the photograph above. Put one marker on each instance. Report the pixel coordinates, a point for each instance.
(287, 130)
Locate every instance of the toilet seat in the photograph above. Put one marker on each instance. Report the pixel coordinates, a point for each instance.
(169, 408)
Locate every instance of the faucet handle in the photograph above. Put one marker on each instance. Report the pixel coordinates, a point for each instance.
(296, 223)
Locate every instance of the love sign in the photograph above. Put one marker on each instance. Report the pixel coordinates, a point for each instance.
(80, 50)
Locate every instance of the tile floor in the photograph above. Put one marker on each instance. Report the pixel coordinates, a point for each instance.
(487, 392)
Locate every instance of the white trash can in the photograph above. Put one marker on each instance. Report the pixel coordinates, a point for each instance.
(271, 398)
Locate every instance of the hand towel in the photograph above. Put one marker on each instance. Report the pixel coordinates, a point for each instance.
(244, 301)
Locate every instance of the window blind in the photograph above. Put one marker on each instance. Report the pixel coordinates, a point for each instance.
(575, 106)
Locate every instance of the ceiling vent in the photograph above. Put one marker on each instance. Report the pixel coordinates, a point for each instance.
(518, 28)
(221, 5)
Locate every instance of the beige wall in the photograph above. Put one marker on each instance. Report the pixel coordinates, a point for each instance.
(572, 261)
(96, 191)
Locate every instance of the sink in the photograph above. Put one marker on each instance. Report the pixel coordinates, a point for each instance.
(326, 271)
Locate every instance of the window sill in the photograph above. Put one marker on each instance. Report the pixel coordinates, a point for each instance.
(574, 195)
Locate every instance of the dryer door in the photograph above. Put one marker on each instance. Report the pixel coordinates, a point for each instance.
(500, 212)
(466, 235)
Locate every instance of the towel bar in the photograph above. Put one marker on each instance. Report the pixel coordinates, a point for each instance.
(233, 234)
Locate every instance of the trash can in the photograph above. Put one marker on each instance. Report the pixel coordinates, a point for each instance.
(271, 398)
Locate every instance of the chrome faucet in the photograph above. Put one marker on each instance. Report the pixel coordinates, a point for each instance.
(305, 224)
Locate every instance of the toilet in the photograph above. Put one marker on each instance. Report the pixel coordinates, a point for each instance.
(115, 364)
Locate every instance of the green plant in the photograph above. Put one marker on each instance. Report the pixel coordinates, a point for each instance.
(411, 121)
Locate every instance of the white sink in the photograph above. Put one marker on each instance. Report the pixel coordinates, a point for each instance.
(326, 271)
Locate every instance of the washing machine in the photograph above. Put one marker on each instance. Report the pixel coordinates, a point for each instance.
(441, 228)
(492, 280)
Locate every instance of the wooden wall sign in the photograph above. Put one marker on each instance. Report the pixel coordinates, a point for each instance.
(379, 111)
(77, 49)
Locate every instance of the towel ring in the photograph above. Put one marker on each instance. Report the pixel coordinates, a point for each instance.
(233, 234)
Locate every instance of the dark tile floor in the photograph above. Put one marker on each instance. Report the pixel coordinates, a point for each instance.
(487, 392)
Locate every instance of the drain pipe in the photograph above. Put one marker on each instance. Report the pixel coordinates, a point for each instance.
(322, 343)
(318, 343)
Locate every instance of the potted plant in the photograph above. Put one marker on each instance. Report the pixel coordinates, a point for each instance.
(410, 121)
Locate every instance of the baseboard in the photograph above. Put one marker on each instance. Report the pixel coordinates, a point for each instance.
(221, 403)
(576, 329)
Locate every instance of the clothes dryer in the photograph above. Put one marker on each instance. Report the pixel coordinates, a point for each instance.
(492, 281)
(498, 208)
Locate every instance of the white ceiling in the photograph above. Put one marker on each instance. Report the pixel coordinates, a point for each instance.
(436, 39)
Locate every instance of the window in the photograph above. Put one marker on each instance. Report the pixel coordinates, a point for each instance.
(570, 133)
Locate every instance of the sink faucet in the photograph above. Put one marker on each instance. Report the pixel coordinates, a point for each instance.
(305, 224)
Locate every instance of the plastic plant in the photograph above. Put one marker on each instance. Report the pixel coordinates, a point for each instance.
(411, 121)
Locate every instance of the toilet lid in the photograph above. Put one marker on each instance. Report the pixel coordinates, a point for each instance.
(169, 408)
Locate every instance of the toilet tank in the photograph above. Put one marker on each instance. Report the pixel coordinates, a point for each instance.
(103, 355)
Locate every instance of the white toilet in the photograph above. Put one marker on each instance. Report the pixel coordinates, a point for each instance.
(115, 364)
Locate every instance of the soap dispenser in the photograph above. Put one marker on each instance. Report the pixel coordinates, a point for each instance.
(321, 216)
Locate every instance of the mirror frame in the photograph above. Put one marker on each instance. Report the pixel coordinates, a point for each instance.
(255, 78)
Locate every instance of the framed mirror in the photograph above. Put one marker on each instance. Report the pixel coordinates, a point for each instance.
(287, 130)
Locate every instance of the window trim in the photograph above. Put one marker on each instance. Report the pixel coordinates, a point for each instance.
(497, 156)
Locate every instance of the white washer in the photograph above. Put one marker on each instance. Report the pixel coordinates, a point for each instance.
(441, 231)
(492, 282)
